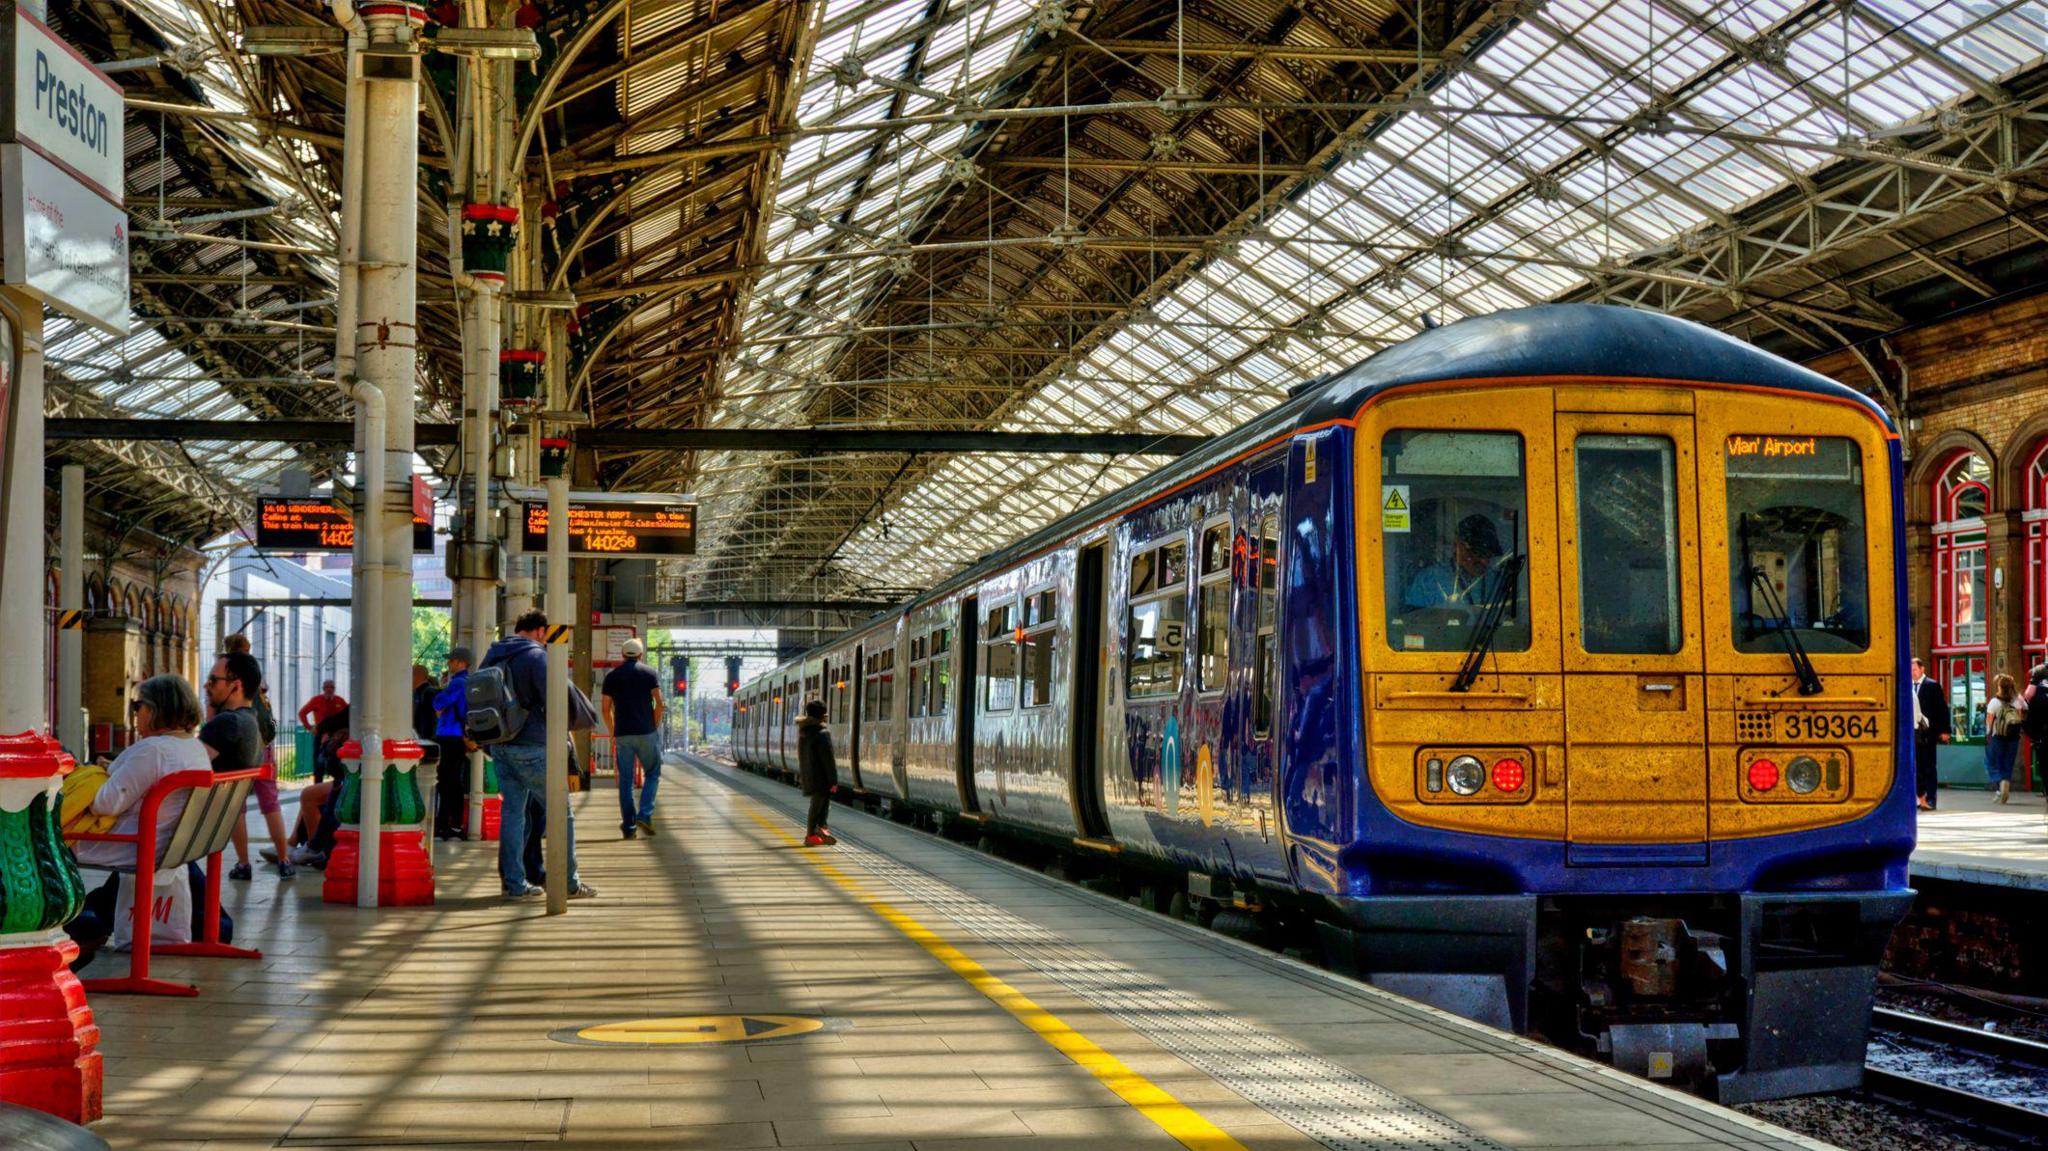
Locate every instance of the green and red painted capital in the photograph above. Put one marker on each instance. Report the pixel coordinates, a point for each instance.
(49, 1057)
(521, 374)
(489, 234)
(405, 875)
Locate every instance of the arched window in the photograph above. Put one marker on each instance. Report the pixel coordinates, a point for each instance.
(2034, 519)
(1962, 593)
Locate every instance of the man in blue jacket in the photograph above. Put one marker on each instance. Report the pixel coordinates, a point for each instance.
(523, 760)
(451, 706)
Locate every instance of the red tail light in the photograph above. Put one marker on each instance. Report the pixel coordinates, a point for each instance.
(1509, 775)
(1763, 775)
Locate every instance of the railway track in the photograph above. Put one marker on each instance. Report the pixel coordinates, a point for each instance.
(1971, 1077)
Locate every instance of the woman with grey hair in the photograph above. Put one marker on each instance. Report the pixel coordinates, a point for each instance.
(167, 716)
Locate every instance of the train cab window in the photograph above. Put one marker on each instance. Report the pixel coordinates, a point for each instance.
(1452, 510)
(998, 633)
(1034, 641)
(1267, 561)
(1628, 545)
(939, 676)
(1798, 560)
(1212, 610)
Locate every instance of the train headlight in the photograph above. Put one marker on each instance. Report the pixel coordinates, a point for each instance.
(1763, 774)
(1466, 775)
(1802, 775)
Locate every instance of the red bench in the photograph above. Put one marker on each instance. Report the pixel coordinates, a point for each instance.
(202, 831)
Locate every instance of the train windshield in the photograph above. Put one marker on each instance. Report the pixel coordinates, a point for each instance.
(1798, 560)
(1452, 510)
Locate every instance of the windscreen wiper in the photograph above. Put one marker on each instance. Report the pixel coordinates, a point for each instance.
(1762, 588)
(1506, 588)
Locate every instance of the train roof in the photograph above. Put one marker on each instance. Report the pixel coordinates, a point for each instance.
(1574, 340)
(1547, 341)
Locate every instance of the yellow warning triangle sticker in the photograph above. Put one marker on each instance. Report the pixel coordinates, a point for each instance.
(1394, 501)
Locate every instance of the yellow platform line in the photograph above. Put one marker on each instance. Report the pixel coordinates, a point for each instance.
(1154, 1102)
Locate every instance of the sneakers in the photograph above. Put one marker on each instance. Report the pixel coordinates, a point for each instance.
(286, 871)
(646, 826)
(301, 854)
(530, 892)
(583, 891)
(814, 841)
(240, 871)
(629, 833)
(825, 833)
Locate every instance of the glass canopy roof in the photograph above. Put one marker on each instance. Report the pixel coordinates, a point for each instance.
(1587, 136)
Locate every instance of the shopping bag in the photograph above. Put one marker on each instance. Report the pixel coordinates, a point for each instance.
(170, 910)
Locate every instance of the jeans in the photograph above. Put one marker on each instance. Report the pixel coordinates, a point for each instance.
(1999, 753)
(646, 750)
(522, 781)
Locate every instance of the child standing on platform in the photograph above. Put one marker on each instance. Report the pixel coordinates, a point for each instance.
(816, 771)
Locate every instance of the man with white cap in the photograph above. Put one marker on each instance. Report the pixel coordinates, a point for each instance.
(632, 713)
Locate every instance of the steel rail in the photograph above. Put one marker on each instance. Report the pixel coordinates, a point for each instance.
(2005, 1122)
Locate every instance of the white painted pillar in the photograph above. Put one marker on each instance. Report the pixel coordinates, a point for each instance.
(23, 688)
(71, 598)
(559, 613)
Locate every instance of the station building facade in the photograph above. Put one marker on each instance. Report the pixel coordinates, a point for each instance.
(1974, 389)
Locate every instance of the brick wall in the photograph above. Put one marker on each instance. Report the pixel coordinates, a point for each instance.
(1985, 372)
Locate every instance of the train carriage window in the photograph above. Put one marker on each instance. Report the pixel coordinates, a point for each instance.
(1798, 560)
(1268, 564)
(1212, 610)
(1452, 510)
(1035, 641)
(1628, 545)
(913, 700)
(1001, 663)
(939, 680)
(1156, 628)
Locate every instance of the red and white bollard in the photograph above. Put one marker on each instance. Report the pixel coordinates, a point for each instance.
(49, 1044)
(405, 873)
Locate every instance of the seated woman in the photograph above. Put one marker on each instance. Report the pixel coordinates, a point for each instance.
(167, 719)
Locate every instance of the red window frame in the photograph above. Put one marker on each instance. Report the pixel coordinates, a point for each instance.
(1958, 541)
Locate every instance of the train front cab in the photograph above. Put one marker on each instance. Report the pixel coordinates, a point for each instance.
(1636, 830)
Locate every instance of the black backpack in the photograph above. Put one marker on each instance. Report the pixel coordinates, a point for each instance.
(494, 713)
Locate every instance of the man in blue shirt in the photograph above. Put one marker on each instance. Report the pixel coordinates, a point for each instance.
(1468, 578)
(632, 713)
(451, 706)
(523, 760)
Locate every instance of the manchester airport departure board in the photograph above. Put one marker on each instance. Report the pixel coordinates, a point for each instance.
(616, 528)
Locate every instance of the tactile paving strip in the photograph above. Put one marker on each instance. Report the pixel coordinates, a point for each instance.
(1338, 1108)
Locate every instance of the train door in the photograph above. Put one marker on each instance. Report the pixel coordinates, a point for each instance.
(1085, 736)
(967, 642)
(1261, 775)
(1636, 764)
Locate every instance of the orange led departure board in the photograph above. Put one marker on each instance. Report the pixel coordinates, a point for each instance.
(312, 524)
(616, 528)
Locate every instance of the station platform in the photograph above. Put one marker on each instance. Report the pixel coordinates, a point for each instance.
(1972, 838)
(729, 988)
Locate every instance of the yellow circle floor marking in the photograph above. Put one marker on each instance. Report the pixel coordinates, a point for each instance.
(692, 1029)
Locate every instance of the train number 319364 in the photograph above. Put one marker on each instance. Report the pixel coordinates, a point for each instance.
(1824, 725)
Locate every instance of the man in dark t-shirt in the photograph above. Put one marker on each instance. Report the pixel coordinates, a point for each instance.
(232, 737)
(632, 712)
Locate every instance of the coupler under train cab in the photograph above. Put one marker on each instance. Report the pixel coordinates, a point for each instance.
(1736, 997)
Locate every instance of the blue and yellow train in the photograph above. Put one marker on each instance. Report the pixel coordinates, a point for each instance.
(1553, 659)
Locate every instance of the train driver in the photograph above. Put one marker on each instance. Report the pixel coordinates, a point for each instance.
(1466, 579)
